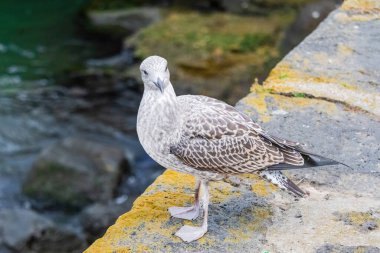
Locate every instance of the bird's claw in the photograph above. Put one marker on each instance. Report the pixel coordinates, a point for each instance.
(189, 233)
(187, 213)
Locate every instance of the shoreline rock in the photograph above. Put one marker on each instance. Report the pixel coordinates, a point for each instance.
(23, 230)
(74, 173)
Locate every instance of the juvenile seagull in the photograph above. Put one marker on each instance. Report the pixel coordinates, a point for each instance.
(210, 140)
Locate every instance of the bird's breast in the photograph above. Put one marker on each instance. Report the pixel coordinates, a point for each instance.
(156, 133)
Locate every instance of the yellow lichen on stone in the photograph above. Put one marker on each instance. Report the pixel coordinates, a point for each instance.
(284, 73)
(258, 101)
(150, 211)
(361, 4)
(263, 188)
(268, 96)
(359, 218)
(284, 79)
(219, 191)
(360, 10)
(149, 217)
(172, 179)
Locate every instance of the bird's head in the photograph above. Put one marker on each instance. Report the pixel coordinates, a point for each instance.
(155, 73)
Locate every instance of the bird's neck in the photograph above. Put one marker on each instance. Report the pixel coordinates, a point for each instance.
(159, 114)
(163, 102)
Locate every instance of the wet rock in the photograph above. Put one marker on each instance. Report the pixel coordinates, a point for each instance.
(99, 82)
(3, 249)
(26, 231)
(75, 172)
(123, 22)
(120, 60)
(96, 218)
(258, 6)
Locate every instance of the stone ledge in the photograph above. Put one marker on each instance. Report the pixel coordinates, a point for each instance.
(338, 60)
(149, 228)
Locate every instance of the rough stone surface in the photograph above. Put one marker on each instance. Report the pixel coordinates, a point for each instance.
(333, 108)
(23, 230)
(338, 61)
(75, 172)
(347, 249)
(149, 228)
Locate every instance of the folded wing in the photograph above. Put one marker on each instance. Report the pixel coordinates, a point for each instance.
(216, 137)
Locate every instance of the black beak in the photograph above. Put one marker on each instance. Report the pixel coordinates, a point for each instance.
(160, 84)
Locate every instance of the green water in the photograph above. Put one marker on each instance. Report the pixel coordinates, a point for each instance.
(40, 39)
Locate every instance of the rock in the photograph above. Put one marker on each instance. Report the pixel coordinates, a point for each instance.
(365, 221)
(96, 218)
(123, 22)
(238, 215)
(120, 60)
(217, 54)
(337, 46)
(370, 225)
(258, 6)
(74, 173)
(307, 20)
(298, 215)
(3, 249)
(329, 248)
(23, 230)
(98, 82)
(323, 113)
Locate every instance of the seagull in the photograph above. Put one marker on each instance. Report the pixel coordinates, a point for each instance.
(211, 140)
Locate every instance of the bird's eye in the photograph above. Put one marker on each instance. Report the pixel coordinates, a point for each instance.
(145, 73)
(166, 69)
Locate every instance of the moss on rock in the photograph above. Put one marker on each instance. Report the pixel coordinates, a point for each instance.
(212, 53)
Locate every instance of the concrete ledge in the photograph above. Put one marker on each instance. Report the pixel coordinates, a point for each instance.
(337, 61)
(241, 212)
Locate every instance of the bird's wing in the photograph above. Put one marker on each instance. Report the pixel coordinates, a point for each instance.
(216, 137)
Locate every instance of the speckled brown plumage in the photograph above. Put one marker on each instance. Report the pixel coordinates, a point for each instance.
(216, 137)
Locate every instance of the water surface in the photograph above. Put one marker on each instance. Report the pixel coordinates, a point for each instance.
(40, 39)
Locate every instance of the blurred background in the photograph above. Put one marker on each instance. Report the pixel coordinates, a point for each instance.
(70, 160)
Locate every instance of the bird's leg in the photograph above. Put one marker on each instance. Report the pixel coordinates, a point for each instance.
(191, 212)
(190, 233)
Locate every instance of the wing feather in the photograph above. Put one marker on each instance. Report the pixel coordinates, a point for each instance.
(216, 137)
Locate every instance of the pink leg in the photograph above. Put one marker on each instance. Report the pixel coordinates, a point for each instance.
(190, 233)
(191, 212)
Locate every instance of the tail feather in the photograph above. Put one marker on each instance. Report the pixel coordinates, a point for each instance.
(279, 179)
(310, 160)
(291, 159)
